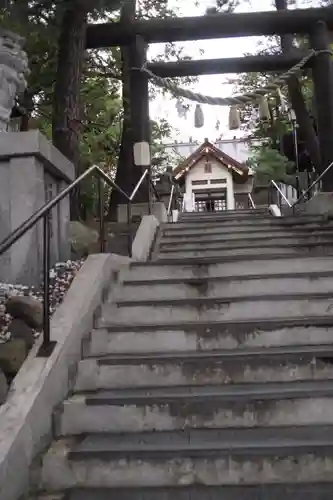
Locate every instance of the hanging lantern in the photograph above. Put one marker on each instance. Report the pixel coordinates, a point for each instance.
(234, 118)
(198, 117)
(264, 113)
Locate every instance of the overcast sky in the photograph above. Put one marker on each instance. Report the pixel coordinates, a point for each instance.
(213, 85)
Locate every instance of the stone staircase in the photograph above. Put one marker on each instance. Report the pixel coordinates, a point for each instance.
(210, 373)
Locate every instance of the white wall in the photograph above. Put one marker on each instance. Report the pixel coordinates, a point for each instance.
(198, 173)
(238, 149)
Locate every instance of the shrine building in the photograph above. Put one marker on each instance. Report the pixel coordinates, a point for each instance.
(213, 181)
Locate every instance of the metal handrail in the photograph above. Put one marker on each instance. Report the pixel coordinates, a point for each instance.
(135, 190)
(156, 193)
(44, 213)
(281, 193)
(251, 200)
(303, 195)
(170, 199)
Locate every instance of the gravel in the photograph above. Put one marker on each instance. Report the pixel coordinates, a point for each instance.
(61, 276)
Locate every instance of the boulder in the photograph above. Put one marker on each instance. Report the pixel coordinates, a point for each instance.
(12, 355)
(27, 309)
(19, 329)
(3, 387)
(84, 240)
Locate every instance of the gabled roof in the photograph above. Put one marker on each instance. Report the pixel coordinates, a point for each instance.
(240, 172)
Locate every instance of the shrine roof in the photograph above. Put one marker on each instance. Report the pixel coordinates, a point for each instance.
(207, 150)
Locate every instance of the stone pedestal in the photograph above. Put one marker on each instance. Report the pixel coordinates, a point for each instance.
(140, 209)
(31, 172)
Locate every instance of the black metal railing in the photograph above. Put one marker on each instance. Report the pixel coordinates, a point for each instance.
(306, 194)
(44, 213)
(308, 191)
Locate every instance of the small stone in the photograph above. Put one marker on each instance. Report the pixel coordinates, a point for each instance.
(27, 309)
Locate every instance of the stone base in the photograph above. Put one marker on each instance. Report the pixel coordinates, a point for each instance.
(320, 203)
(141, 209)
(32, 172)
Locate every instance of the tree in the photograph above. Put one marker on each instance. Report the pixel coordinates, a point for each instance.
(98, 118)
(298, 103)
(277, 132)
(66, 116)
(269, 164)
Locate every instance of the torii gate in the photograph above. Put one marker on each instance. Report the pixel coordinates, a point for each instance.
(315, 23)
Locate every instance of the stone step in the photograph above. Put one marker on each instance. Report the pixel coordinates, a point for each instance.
(50, 496)
(260, 217)
(224, 287)
(227, 213)
(227, 228)
(209, 219)
(307, 491)
(244, 237)
(215, 268)
(205, 337)
(230, 366)
(316, 248)
(205, 456)
(255, 220)
(214, 310)
(200, 302)
(178, 408)
(249, 258)
(220, 245)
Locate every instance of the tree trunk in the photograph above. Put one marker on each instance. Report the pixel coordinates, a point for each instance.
(66, 105)
(27, 104)
(124, 177)
(306, 128)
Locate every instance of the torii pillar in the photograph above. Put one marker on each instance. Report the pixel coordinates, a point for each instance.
(322, 74)
(140, 123)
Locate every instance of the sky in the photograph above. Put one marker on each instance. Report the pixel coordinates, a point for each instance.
(213, 85)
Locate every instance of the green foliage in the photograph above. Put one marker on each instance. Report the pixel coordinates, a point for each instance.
(101, 118)
(269, 164)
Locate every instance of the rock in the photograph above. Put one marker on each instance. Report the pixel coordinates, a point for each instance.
(20, 330)
(12, 355)
(3, 387)
(84, 240)
(27, 309)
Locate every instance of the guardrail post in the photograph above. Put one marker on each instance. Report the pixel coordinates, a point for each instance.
(150, 191)
(47, 346)
(129, 228)
(101, 215)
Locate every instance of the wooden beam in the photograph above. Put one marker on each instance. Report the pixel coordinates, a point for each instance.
(207, 27)
(248, 64)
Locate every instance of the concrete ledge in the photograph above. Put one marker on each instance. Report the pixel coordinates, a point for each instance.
(43, 383)
(33, 143)
(274, 210)
(144, 238)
